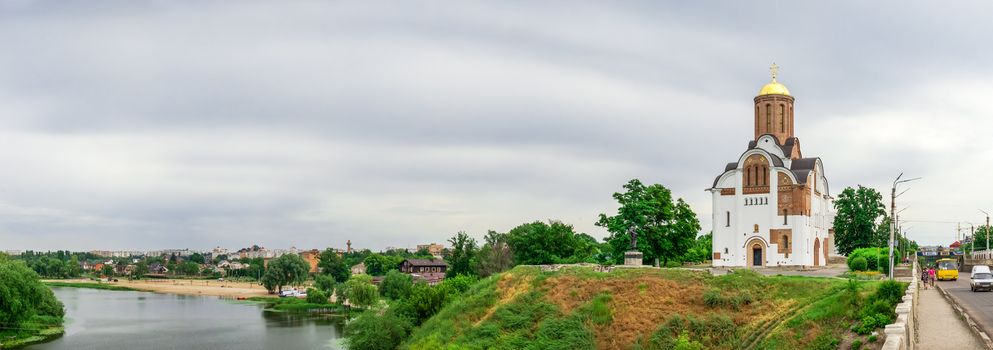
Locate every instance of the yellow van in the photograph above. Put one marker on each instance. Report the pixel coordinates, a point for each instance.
(948, 269)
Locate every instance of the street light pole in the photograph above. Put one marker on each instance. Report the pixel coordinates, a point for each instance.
(893, 196)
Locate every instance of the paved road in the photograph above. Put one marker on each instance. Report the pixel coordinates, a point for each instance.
(979, 305)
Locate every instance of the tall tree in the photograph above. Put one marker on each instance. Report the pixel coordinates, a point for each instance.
(666, 229)
(334, 265)
(462, 257)
(540, 243)
(285, 270)
(495, 256)
(858, 213)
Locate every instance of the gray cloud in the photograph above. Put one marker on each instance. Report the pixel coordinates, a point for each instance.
(162, 124)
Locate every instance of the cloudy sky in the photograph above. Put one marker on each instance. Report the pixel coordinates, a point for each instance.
(155, 124)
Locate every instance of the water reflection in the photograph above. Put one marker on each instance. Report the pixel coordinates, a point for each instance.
(109, 320)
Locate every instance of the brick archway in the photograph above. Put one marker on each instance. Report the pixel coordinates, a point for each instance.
(755, 253)
(817, 252)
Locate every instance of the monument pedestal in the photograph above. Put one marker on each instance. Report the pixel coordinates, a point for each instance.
(633, 258)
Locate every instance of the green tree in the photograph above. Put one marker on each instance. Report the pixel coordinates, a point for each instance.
(361, 292)
(325, 283)
(197, 258)
(140, 270)
(288, 269)
(666, 229)
(107, 270)
(379, 264)
(701, 250)
(858, 212)
(495, 256)
(332, 264)
(540, 243)
(396, 285)
(73, 269)
(461, 260)
(22, 295)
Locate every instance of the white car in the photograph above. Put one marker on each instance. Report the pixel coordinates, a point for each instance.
(289, 293)
(981, 281)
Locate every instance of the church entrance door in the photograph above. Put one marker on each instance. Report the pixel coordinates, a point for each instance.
(756, 256)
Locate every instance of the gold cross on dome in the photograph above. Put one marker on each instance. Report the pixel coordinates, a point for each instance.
(774, 69)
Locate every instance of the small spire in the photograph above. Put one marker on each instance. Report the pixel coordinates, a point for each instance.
(774, 70)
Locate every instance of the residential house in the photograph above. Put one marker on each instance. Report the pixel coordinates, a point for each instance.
(431, 271)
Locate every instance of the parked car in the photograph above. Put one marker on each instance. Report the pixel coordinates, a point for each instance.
(981, 281)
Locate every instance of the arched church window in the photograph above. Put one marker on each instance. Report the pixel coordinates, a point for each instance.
(728, 219)
(765, 176)
(768, 117)
(756, 228)
(782, 118)
(784, 216)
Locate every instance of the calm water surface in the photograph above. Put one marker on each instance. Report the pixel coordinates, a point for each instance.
(111, 320)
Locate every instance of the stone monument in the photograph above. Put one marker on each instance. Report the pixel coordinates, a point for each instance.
(633, 257)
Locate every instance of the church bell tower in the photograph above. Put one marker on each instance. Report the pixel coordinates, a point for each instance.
(774, 110)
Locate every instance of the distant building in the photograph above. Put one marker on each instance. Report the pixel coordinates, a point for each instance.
(431, 271)
(311, 257)
(358, 269)
(434, 248)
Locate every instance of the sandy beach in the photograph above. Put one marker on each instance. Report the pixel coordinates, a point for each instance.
(190, 287)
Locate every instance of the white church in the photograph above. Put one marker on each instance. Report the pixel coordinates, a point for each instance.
(773, 207)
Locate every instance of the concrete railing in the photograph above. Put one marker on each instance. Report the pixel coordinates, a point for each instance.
(902, 334)
(982, 254)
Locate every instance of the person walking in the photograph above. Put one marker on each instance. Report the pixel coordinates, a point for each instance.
(931, 275)
(924, 276)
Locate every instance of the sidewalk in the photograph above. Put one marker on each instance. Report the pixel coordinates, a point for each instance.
(940, 327)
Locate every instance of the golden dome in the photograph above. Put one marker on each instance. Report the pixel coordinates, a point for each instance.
(774, 88)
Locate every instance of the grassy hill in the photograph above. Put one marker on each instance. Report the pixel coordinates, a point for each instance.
(578, 308)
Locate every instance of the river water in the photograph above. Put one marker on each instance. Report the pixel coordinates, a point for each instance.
(112, 320)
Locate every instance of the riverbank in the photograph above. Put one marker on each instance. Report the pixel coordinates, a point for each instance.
(173, 286)
(40, 329)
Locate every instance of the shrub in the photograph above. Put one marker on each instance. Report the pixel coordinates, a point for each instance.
(852, 295)
(856, 344)
(713, 298)
(872, 338)
(460, 283)
(370, 331)
(316, 296)
(871, 256)
(884, 264)
(891, 291)
(684, 343)
(867, 325)
(859, 264)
